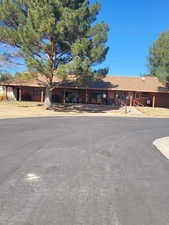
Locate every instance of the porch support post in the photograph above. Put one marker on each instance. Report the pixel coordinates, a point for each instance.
(86, 96)
(6, 92)
(20, 94)
(131, 100)
(154, 100)
(42, 94)
(64, 96)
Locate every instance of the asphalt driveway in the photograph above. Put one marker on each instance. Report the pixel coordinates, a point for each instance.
(83, 171)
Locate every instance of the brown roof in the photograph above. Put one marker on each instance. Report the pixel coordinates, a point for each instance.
(122, 83)
(145, 84)
(23, 83)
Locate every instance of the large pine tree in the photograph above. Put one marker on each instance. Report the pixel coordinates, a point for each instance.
(55, 37)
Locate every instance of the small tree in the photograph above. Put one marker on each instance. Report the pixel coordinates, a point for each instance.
(55, 37)
(26, 75)
(159, 57)
(5, 76)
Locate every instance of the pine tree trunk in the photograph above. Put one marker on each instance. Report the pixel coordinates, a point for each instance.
(48, 97)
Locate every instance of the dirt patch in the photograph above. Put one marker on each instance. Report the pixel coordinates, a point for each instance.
(36, 109)
(154, 112)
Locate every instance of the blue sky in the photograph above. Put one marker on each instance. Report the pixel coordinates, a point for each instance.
(134, 25)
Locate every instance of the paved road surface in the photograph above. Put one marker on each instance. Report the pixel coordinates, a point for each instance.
(83, 171)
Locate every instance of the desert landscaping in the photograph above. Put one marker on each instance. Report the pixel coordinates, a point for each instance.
(12, 109)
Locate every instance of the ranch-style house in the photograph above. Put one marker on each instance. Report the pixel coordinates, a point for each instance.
(112, 90)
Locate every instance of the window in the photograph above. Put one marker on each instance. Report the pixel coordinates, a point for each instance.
(137, 95)
(36, 92)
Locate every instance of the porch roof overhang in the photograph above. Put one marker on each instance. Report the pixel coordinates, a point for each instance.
(23, 83)
(111, 89)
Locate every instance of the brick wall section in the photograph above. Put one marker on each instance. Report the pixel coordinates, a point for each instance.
(29, 90)
(59, 93)
(162, 100)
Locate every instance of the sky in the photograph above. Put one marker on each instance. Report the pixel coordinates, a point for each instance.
(134, 26)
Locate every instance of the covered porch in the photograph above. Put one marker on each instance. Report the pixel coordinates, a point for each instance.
(104, 96)
(80, 96)
(65, 95)
(18, 93)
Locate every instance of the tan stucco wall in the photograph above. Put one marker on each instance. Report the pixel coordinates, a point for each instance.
(10, 94)
(2, 92)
